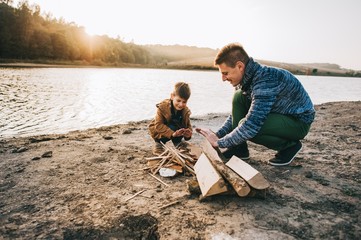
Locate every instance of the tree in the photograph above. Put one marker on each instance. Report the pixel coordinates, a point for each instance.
(22, 30)
(59, 45)
(25, 34)
(7, 19)
(7, 2)
(40, 45)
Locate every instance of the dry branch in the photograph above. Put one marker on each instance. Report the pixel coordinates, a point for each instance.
(159, 166)
(173, 157)
(135, 195)
(169, 204)
(158, 179)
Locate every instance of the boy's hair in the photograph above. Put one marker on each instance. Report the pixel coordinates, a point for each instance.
(231, 54)
(182, 89)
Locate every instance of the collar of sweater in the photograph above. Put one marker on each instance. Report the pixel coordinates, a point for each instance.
(251, 69)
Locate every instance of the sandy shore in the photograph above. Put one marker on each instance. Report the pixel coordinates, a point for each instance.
(76, 186)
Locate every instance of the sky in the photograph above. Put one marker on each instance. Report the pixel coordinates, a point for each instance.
(292, 31)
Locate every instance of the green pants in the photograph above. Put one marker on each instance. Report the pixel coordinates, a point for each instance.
(278, 131)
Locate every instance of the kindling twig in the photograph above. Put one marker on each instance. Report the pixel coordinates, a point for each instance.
(159, 166)
(158, 179)
(182, 162)
(169, 204)
(163, 153)
(145, 168)
(154, 158)
(135, 195)
(177, 156)
(186, 157)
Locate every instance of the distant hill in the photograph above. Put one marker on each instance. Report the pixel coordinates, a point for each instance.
(190, 57)
(320, 69)
(173, 53)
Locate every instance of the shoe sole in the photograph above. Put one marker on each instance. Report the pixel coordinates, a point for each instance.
(287, 163)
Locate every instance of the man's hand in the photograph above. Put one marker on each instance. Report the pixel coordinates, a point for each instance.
(209, 135)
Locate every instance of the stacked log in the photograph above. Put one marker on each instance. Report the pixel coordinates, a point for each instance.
(242, 177)
(214, 175)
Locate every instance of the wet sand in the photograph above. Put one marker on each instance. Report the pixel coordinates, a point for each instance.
(77, 186)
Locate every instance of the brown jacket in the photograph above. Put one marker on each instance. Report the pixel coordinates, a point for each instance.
(158, 126)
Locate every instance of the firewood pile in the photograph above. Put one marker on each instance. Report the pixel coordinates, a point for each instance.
(212, 174)
(215, 176)
(173, 161)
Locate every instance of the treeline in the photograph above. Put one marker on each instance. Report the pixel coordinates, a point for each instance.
(27, 35)
(180, 52)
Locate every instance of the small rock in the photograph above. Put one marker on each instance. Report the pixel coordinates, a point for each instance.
(47, 154)
(127, 131)
(166, 213)
(22, 149)
(108, 137)
(98, 159)
(36, 140)
(167, 172)
(19, 169)
(193, 186)
(35, 158)
(308, 175)
(11, 227)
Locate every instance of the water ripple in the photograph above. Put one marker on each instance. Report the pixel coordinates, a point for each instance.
(58, 100)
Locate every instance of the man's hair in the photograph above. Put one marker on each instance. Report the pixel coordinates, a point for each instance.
(182, 89)
(231, 54)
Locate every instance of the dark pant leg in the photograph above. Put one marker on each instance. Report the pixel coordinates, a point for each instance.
(278, 131)
(281, 131)
(175, 140)
(240, 108)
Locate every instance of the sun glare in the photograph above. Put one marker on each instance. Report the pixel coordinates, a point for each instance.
(91, 32)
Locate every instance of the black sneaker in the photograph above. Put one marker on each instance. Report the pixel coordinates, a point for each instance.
(286, 156)
(240, 151)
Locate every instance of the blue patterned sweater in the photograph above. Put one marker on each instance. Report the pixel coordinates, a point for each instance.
(271, 90)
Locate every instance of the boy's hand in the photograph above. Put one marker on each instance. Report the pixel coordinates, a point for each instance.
(187, 133)
(178, 133)
(183, 132)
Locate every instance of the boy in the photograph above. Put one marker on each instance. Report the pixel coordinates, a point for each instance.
(172, 121)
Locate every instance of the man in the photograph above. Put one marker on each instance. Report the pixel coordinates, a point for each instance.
(270, 107)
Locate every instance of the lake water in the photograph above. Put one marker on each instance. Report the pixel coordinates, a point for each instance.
(37, 101)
